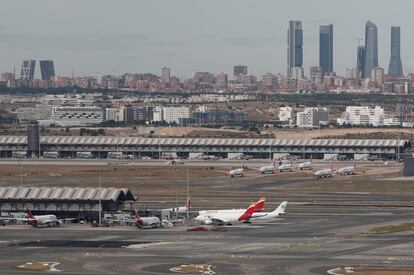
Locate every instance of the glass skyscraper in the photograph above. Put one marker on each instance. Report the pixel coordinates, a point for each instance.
(47, 69)
(28, 69)
(295, 46)
(371, 48)
(326, 48)
(361, 61)
(395, 68)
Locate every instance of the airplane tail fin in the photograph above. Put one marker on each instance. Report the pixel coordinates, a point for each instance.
(259, 206)
(281, 208)
(188, 204)
(248, 213)
(138, 218)
(331, 167)
(29, 214)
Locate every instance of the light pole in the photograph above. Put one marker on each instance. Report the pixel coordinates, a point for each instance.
(188, 184)
(100, 197)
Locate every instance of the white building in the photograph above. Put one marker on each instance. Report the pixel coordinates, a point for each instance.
(174, 114)
(111, 114)
(364, 115)
(40, 112)
(286, 114)
(77, 116)
(312, 117)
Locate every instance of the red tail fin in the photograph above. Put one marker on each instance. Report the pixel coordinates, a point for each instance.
(138, 218)
(29, 214)
(259, 206)
(188, 204)
(249, 212)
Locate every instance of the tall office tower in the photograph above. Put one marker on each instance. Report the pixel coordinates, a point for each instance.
(28, 69)
(165, 75)
(47, 69)
(395, 68)
(361, 61)
(326, 48)
(371, 48)
(239, 70)
(295, 46)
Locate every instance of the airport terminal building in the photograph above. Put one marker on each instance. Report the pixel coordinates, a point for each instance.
(101, 146)
(80, 203)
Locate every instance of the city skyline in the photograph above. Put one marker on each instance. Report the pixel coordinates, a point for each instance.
(137, 44)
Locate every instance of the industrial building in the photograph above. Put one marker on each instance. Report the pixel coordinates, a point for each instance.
(99, 146)
(80, 203)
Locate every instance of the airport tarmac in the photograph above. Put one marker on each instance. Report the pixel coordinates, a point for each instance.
(294, 244)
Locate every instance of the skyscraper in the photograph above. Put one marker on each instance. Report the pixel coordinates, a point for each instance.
(295, 46)
(395, 68)
(371, 48)
(326, 48)
(47, 69)
(361, 61)
(28, 69)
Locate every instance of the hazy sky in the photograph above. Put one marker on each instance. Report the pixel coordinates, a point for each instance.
(95, 37)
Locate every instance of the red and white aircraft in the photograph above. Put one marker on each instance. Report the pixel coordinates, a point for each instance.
(349, 170)
(44, 220)
(230, 216)
(147, 222)
(181, 209)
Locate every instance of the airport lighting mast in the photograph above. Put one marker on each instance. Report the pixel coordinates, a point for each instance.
(188, 183)
(100, 197)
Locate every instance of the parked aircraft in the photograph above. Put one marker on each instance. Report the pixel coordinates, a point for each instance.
(324, 173)
(235, 173)
(44, 220)
(349, 170)
(230, 216)
(307, 165)
(285, 167)
(181, 209)
(147, 222)
(269, 169)
(268, 216)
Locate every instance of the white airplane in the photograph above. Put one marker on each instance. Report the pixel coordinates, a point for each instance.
(235, 173)
(44, 220)
(270, 169)
(230, 216)
(287, 166)
(268, 216)
(349, 170)
(324, 173)
(147, 222)
(307, 165)
(181, 209)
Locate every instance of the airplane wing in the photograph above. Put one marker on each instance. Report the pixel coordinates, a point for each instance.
(220, 220)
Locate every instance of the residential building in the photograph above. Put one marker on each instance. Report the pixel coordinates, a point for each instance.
(316, 75)
(203, 78)
(221, 80)
(111, 114)
(175, 114)
(312, 117)
(165, 75)
(377, 76)
(295, 47)
(395, 68)
(365, 115)
(239, 70)
(326, 48)
(286, 114)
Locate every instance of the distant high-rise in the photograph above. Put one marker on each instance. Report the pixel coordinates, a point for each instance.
(295, 46)
(371, 48)
(47, 69)
(165, 75)
(239, 70)
(361, 61)
(395, 68)
(326, 48)
(28, 69)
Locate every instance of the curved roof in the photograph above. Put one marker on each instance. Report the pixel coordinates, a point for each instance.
(65, 194)
(103, 140)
